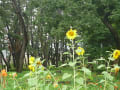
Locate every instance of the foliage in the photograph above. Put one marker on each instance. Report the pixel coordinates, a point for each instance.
(47, 22)
(81, 76)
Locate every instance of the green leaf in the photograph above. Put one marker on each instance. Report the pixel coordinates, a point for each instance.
(100, 66)
(32, 81)
(101, 59)
(78, 41)
(38, 59)
(108, 67)
(93, 62)
(80, 88)
(47, 87)
(63, 65)
(26, 75)
(68, 44)
(66, 75)
(102, 81)
(86, 70)
(77, 58)
(51, 66)
(64, 87)
(107, 75)
(66, 53)
(110, 87)
(80, 81)
(72, 64)
(111, 58)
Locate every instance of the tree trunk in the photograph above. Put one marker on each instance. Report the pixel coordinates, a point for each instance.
(56, 53)
(22, 44)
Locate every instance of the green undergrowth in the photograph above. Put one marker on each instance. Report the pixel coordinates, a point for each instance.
(92, 82)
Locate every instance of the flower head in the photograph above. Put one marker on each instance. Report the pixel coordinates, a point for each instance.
(32, 59)
(115, 87)
(4, 73)
(10, 74)
(14, 75)
(116, 69)
(32, 68)
(100, 86)
(80, 51)
(71, 34)
(116, 54)
(39, 63)
(48, 77)
(55, 85)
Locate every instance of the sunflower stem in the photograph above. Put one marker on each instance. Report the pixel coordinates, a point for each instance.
(108, 64)
(73, 61)
(85, 85)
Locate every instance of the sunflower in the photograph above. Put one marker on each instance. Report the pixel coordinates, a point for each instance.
(4, 73)
(14, 75)
(39, 63)
(116, 70)
(32, 68)
(55, 84)
(71, 34)
(32, 59)
(116, 54)
(48, 77)
(80, 51)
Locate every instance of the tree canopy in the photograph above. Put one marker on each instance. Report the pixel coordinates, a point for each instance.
(38, 28)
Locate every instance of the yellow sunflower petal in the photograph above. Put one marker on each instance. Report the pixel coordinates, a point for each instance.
(31, 60)
(116, 54)
(33, 69)
(30, 67)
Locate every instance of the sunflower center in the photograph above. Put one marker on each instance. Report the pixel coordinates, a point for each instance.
(71, 33)
(116, 53)
(79, 50)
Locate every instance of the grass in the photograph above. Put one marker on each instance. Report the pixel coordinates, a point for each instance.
(58, 73)
(10, 81)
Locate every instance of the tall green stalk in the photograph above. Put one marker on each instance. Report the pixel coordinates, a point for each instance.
(85, 85)
(73, 61)
(108, 64)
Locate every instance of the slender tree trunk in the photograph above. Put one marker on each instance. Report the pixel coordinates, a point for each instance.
(56, 53)
(6, 63)
(28, 58)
